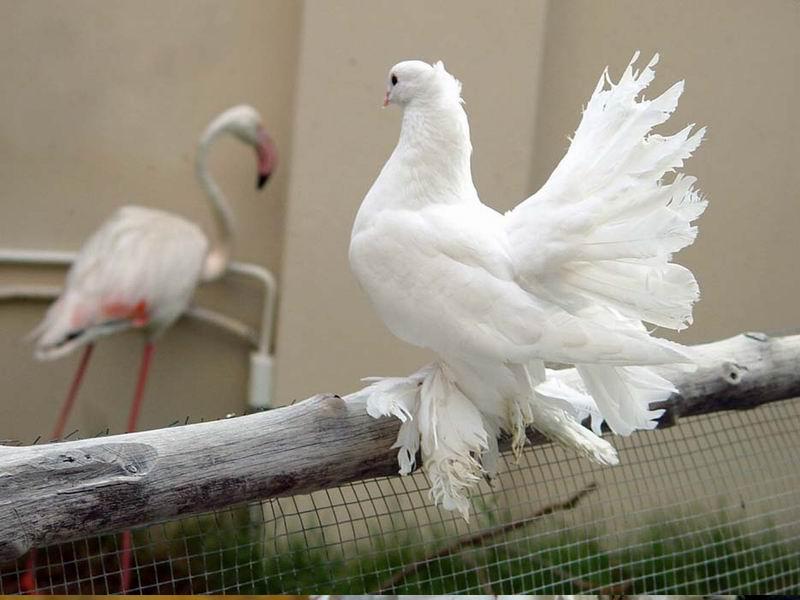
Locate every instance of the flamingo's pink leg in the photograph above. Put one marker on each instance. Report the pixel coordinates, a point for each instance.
(66, 408)
(28, 582)
(144, 368)
(125, 561)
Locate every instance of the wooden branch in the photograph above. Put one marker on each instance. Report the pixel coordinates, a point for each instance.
(62, 492)
(478, 539)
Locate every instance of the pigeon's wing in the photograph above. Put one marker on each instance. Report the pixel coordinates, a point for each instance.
(602, 230)
(441, 277)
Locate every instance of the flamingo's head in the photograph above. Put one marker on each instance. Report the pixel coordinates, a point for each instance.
(244, 122)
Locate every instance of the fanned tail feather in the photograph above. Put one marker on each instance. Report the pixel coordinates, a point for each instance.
(659, 294)
(616, 125)
(640, 220)
(655, 224)
(606, 222)
(557, 409)
(624, 395)
(577, 402)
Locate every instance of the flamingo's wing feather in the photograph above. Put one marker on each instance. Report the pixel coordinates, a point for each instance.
(138, 269)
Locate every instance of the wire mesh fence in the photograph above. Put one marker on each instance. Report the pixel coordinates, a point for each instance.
(711, 505)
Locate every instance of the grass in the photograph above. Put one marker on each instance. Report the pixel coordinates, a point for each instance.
(225, 552)
(701, 555)
(698, 554)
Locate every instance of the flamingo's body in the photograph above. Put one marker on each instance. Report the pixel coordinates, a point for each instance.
(139, 270)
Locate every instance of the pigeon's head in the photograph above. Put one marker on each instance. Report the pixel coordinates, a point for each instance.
(416, 81)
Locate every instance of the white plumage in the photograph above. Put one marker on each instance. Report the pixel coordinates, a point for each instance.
(140, 257)
(568, 276)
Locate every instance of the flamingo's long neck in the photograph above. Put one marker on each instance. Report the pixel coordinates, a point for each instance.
(219, 253)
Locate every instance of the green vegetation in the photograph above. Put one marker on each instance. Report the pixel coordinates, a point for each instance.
(699, 555)
(226, 552)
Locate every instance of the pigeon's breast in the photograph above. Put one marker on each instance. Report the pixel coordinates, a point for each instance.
(437, 278)
(387, 261)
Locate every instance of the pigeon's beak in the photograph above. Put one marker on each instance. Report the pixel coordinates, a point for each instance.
(267, 157)
(386, 100)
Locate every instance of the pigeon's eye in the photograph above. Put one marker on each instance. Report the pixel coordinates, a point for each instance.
(394, 79)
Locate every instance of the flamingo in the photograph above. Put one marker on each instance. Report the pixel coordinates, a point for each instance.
(139, 270)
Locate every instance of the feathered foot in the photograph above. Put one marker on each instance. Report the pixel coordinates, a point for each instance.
(438, 419)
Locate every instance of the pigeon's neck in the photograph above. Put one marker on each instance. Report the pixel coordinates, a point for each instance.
(435, 148)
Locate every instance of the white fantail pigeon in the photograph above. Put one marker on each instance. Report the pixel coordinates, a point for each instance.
(569, 275)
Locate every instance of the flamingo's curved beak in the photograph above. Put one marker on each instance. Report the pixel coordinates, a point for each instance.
(267, 157)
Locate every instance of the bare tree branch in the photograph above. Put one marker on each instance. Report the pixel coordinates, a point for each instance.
(60, 492)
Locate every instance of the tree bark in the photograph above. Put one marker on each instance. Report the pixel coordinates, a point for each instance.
(64, 491)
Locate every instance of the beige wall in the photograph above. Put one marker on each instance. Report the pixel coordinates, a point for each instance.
(102, 103)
